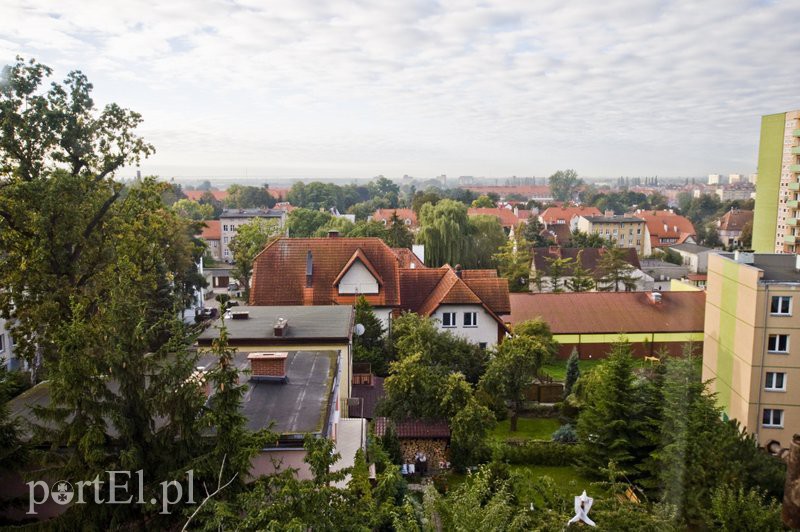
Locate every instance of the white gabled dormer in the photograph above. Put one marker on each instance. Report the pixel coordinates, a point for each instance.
(358, 276)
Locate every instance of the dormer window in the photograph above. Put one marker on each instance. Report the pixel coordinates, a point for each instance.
(358, 276)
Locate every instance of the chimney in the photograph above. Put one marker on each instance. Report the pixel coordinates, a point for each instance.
(743, 257)
(333, 233)
(240, 315)
(281, 327)
(268, 367)
(309, 268)
(458, 270)
(655, 297)
(609, 213)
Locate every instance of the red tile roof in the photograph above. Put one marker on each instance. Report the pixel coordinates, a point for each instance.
(279, 272)
(735, 220)
(611, 312)
(563, 214)
(211, 231)
(506, 217)
(665, 225)
(385, 215)
(360, 257)
(424, 290)
(529, 191)
(195, 195)
(407, 258)
(589, 257)
(436, 429)
(560, 233)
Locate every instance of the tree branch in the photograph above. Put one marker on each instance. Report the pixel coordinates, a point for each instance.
(211, 495)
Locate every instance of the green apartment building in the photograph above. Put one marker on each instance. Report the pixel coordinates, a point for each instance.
(775, 224)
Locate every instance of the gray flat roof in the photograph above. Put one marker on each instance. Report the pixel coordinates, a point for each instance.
(776, 266)
(613, 219)
(305, 324)
(296, 406)
(690, 248)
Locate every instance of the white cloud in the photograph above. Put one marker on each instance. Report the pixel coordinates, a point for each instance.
(512, 87)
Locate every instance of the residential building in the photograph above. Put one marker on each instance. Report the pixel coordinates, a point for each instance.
(715, 179)
(775, 222)
(406, 216)
(624, 231)
(232, 219)
(7, 357)
(735, 178)
(541, 258)
(664, 229)
(752, 341)
(196, 195)
(566, 214)
(730, 226)
(662, 272)
(739, 193)
(531, 192)
(212, 236)
(694, 256)
(335, 271)
(591, 322)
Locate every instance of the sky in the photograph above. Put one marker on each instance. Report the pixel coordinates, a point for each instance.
(301, 88)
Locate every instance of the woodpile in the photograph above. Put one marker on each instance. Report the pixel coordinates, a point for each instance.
(435, 450)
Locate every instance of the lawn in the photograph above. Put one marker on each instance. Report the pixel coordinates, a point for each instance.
(558, 369)
(566, 479)
(527, 428)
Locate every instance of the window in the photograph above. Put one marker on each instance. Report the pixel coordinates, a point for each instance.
(773, 417)
(482, 345)
(781, 306)
(225, 227)
(2, 343)
(470, 319)
(778, 343)
(225, 239)
(776, 381)
(448, 319)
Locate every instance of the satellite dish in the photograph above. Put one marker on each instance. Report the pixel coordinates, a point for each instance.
(359, 329)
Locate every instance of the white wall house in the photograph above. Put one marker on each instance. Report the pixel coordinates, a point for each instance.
(471, 322)
(7, 348)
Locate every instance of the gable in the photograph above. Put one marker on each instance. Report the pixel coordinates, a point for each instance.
(358, 280)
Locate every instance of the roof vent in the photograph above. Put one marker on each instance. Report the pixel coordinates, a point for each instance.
(744, 257)
(280, 327)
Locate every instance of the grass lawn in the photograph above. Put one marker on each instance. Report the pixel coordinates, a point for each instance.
(527, 428)
(566, 479)
(558, 369)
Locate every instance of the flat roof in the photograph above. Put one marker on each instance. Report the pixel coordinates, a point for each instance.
(296, 406)
(613, 219)
(777, 267)
(331, 323)
(691, 248)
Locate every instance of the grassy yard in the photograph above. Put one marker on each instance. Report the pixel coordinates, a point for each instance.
(567, 480)
(558, 369)
(527, 428)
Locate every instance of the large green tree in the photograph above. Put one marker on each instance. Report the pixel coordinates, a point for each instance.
(564, 185)
(615, 271)
(513, 261)
(306, 222)
(400, 236)
(443, 229)
(487, 237)
(249, 197)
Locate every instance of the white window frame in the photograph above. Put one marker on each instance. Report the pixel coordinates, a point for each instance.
(777, 343)
(2, 343)
(772, 412)
(451, 318)
(225, 227)
(473, 322)
(780, 299)
(770, 381)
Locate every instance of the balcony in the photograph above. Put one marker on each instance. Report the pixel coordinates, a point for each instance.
(794, 186)
(790, 239)
(795, 168)
(796, 132)
(796, 150)
(791, 222)
(792, 204)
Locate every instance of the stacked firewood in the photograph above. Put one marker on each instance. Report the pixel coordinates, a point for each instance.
(435, 451)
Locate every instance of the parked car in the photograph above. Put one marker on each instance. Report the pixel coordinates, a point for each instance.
(233, 286)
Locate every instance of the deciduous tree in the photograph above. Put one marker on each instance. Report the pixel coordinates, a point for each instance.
(251, 238)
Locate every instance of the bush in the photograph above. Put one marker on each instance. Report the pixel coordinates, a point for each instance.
(538, 453)
(532, 409)
(565, 434)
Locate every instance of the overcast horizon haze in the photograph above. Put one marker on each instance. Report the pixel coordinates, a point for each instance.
(352, 90)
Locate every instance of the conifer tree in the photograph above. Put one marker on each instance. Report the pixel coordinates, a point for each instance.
(573, 372)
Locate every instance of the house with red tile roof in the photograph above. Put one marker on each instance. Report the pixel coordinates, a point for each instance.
(588, 258)
(335, 271)
(507, 217)
(730, 226)
(592, 321)
(565, 214)
(407, 216)
(195, 195)
(664, 229)
(211, 235)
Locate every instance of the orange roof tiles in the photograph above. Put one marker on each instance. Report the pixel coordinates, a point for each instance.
(506, 217)
(563, 214)
(665, 225)
(735, 220)
(385, 215)
(611, 312)
(407, 258)
(211, 230)
(195, 195)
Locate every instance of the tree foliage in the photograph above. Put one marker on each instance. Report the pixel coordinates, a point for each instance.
(251, 238)
(249, 197)
(564, 185)
(615, 271)
(513, 261)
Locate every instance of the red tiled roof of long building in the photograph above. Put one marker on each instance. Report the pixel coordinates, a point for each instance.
(506, 217)
(563, 214)
(211, 231)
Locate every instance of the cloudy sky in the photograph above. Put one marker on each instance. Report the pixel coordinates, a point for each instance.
(354, 89)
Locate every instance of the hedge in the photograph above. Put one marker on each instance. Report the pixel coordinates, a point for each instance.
(543, 453)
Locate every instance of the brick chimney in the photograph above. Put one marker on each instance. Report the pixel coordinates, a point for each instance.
(281, 327)
(268, 367)
(458, 270)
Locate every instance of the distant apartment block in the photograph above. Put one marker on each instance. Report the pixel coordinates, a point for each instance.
(715, 179)
(625, 231)
(775, 226)
(752, 341)
(732, 194)
(232, 219)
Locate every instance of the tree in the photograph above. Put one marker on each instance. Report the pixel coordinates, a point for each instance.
(539, 330)
(609, 427)
(573, 372)
(746, 238)
(735, 509)
(369, 346)
(531, 232)
(483, 201)
(581, 280)
(564, 185)
(192, 210)
(579, 239)
(557, 269)
(305, 222)
(514, 263)
(251, 238)
(400, 236)
(208, 199)
(412, 389)
(512, 369)
(615, 271)
(443, 229)
(487, 237)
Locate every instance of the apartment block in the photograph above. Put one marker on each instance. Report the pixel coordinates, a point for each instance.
(625, 231)
(775, 226)
(230, 220)
(751, 343)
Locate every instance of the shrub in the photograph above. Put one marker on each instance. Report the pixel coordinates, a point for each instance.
(538, 453)
(565, 434)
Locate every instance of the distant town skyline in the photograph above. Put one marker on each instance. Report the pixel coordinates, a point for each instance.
(349, 91)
